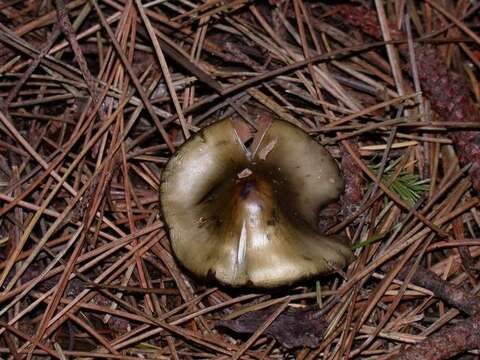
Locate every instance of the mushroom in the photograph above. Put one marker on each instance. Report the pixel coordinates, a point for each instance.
(250, 220)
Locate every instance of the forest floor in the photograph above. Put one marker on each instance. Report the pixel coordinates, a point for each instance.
(95, 96)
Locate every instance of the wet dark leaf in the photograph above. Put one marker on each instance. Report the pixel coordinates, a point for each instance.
(293, 328)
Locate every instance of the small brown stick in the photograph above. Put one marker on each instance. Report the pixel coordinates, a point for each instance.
(449, 342)
(455, 339)
(451, 294)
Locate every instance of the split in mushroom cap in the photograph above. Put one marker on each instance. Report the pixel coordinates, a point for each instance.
(253, 227)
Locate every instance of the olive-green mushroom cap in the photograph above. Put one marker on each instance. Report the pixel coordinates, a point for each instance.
(251, 221)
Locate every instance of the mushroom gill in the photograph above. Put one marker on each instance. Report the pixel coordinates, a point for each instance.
(251, 220)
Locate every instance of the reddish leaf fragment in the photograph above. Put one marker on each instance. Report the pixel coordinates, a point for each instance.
(365, 19)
